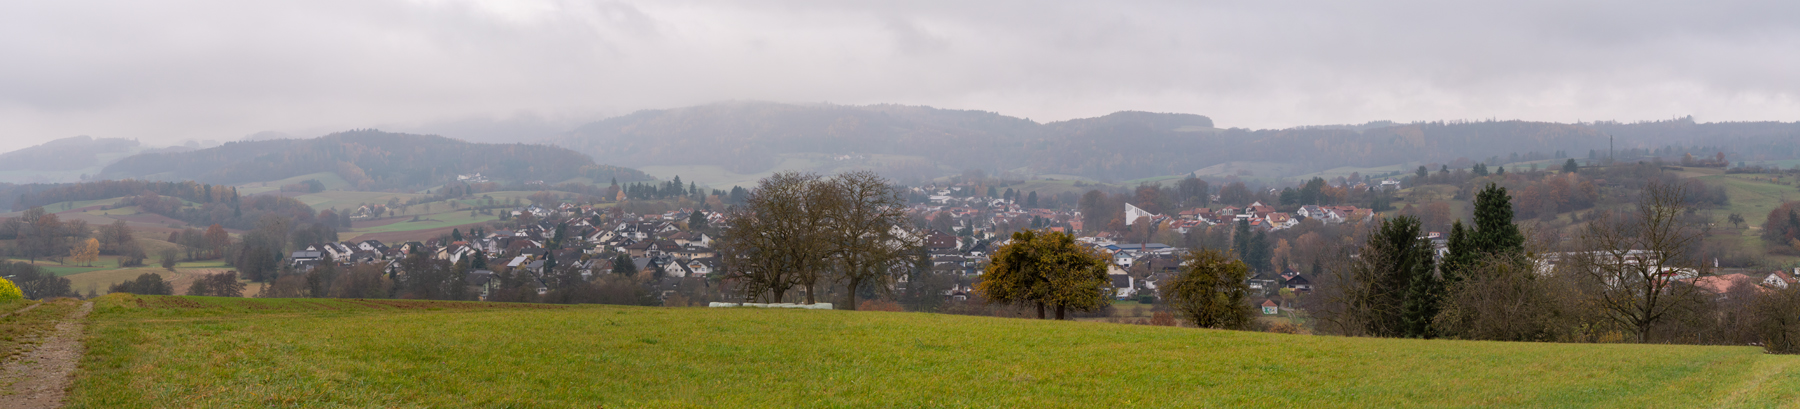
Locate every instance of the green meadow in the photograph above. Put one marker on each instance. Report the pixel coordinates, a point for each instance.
(149, 351)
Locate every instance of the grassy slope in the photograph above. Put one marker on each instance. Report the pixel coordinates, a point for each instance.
(1752, 196)
(212, 352)
(331, 180)
(345, 200)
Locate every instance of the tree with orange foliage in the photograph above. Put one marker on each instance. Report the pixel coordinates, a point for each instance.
(85, 252)
(217, 239)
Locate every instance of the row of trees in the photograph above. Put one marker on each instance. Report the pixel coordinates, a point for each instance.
(107, 189)
(34, 282)
(41, 234)
(1632, 275)
(801, 230)
(1049, 271)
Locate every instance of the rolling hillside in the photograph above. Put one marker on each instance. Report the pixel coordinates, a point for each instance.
(368, 160)
(749, 138)
(226, 352)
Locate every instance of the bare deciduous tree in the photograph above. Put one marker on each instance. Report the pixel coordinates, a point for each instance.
(1638, 267)
(872, 240)
(795, 229)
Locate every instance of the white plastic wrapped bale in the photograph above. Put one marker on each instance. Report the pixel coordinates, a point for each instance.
(818, 306)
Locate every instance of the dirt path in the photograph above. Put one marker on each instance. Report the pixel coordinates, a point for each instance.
(39, 378)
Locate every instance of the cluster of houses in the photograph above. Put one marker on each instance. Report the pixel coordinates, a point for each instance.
(1264, 217)
(652, 243)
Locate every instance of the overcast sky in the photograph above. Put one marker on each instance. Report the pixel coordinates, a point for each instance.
(166, 71)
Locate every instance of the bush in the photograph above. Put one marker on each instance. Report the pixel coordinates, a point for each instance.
(146, 284)
(1779, 320)
(1162, 318)
(10, 292)
(879, 305)
(1283, 327)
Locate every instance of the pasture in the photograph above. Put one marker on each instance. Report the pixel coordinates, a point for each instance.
(225, 352)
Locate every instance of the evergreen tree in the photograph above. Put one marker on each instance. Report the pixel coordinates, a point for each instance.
(1571, 166)
(1423, 173)
(623, 265)
(1494, 228)
(1398, 259)
(1461, 255)
(556, 239)
(1258, 255)
(696, 220)
(1240, 239)
(1031, 200)
(456, 235)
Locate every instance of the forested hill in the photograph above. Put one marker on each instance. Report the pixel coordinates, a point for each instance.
(65, 154)
(370, 160)
(749, 137)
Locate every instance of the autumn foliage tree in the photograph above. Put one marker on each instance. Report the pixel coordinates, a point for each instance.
(1782, 229)
(1046, 270)
(86, 252)
(217, 239)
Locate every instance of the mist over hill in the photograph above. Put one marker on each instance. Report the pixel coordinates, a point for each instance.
(748, 139)
(65, 154)
(369, 160)
(751, 137)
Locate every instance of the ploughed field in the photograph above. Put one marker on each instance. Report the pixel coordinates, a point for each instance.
(152, 351)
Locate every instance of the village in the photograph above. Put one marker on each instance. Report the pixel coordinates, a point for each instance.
(675, 248)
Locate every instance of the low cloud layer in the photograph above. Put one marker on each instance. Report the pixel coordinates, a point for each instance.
(170, 71)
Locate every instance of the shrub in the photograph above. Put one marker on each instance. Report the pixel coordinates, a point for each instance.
(1163, 318)
(145, 284)
(10, 292)
(879, 305)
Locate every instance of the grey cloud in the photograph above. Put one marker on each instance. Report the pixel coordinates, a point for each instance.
(213, 69)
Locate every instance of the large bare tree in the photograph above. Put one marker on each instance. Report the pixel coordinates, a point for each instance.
(872, 238)
(1638, 267)
(775, 240)
(802, 230)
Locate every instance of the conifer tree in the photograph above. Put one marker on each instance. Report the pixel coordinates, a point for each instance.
(1461, 255)
(1403, 295)
(1494, 228)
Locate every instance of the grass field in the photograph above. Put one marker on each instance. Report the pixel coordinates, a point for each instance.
(218, 352)
(331, 180)
(431, 221)
(99, 280)
(1363, 171)
(1046, 188)
(342, 199)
